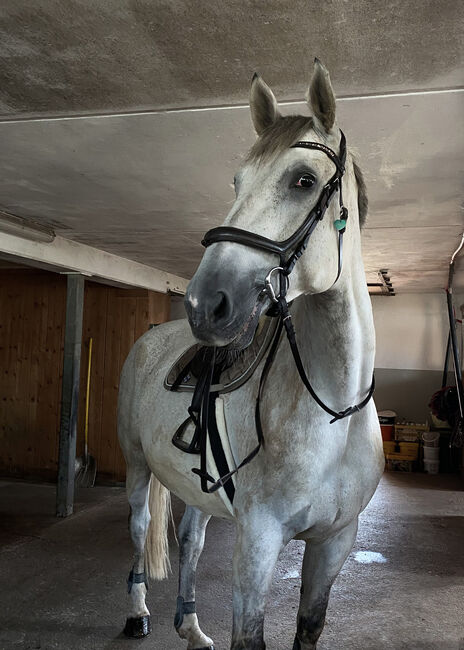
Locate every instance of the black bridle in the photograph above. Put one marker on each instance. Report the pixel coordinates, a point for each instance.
(289, 251)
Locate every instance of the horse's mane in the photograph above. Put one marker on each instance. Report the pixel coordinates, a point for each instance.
(363, 201)
(284, 132)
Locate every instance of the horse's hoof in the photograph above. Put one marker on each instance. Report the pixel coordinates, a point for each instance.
(136, 628)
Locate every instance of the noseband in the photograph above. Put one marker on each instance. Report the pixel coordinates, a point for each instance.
(289, 251)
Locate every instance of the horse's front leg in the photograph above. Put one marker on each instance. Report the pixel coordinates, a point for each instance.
(321, 565)
(259, 542)
(137, 485)
(191, 539)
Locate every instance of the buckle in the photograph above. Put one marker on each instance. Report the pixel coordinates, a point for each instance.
(269, 289)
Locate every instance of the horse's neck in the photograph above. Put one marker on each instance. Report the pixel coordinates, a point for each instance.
(335, 335)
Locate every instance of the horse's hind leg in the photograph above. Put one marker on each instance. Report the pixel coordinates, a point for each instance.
(321, 564)
(191, 534)
(137, 486)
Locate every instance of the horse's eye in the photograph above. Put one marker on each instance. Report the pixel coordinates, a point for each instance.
(305, 181)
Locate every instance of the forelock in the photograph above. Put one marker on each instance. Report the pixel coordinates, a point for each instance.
(278, 137)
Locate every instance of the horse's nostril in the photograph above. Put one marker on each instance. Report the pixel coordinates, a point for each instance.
(221, 309)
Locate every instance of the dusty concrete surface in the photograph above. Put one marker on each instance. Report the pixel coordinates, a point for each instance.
(101, 56)
(63, 582)
(147, 187)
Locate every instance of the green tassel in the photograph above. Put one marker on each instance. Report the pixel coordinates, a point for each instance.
(340, 224)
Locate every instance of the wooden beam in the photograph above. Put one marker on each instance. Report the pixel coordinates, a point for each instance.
(66, 255)
(70, 395)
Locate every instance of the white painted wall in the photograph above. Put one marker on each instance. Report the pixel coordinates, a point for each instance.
(412, 330)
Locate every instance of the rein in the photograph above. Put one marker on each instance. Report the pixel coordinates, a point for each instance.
(289, 252)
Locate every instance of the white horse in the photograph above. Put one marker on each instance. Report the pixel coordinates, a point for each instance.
(312, 478)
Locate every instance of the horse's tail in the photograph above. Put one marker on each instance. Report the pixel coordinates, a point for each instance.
(157, 561)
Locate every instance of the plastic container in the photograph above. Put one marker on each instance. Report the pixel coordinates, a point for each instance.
(431, 438)
(432, 466)
(387, 431)
(431, 453)
(387, 417)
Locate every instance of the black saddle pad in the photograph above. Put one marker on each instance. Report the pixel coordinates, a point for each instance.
(238, 367)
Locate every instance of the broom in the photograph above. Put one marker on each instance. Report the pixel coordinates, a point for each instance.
(86, 466)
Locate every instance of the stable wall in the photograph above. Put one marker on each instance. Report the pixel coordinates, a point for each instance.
(32, 308)
(411, 334)
(32, 319)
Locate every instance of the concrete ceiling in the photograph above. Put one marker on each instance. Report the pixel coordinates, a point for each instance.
(146, 186)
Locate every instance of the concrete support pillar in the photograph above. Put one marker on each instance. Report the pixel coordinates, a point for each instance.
(70, 395)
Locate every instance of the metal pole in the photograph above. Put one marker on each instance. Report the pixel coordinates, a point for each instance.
(70, 395)
(454, 347)
(452, 324)
(444, 380)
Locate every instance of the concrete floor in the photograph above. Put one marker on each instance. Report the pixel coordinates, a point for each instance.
(63, 581)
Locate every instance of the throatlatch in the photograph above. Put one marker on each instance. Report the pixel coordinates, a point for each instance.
(289, 251)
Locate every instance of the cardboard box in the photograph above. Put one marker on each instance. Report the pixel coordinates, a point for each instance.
(410, 432)
(395, 450)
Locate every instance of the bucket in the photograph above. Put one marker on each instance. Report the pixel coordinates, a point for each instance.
(387, 417)
(431, 438)
(387, 431)
(432, 466)
(431, 453)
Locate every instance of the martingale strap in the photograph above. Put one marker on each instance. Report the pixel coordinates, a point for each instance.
(291, 335)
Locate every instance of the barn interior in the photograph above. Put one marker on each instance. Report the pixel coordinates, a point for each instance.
(121, 128)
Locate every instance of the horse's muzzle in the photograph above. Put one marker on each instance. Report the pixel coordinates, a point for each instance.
(210, 316)
(219, 316)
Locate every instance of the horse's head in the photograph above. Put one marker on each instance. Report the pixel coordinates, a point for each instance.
(279, 191)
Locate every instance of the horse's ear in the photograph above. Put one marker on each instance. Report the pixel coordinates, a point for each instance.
(321, 96)
(263, 105)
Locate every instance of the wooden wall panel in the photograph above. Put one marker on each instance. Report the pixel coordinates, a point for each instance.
(115, 319)
(159, 308)
(32, 321)
(94, 325)
(108, 439)
(32, 311)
